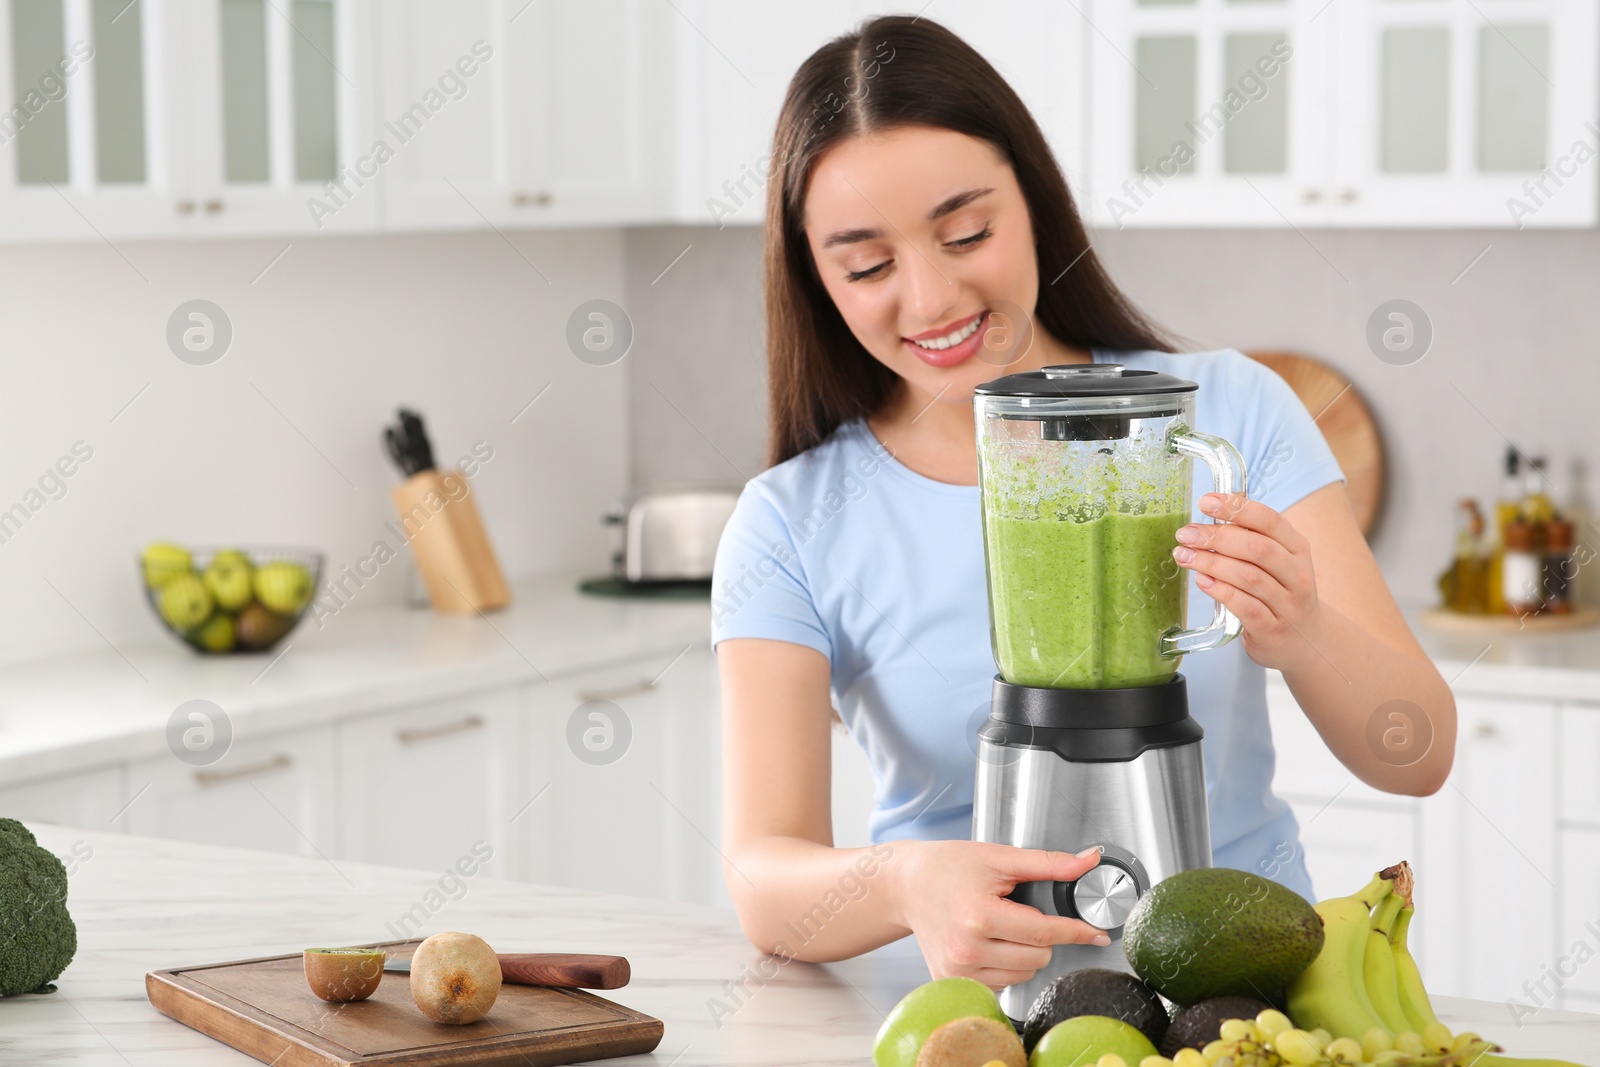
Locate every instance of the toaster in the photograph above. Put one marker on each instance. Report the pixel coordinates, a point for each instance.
(670, 535)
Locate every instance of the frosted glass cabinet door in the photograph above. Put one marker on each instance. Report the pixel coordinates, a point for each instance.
(284, 130)
(1454, 110)
(1207, 112)
(91, 146)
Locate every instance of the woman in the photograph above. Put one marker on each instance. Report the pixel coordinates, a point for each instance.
(921, 241)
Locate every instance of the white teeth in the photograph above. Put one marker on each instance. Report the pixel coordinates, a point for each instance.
(954, 337)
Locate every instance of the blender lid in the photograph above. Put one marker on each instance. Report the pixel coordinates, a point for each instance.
(1085, 379)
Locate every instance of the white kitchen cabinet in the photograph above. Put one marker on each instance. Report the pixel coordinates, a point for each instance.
(95, 147)
(186, 118)
(509, 113)
(90, 799)
(1384, 113)
(273, 793)
(1574, 966)
(1345, 842)
(419, 787)
(1578, 734)
(735, 61)
(1575, 958)
(1446, 110)
(1493, 824)
(1208, 113)
(280, 100)
(620, 785)
(1347, 828)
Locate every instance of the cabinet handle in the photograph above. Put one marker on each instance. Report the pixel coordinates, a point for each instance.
(620, 691)
(539, 199)
(185, 207)
(266, 766)
(1348, 195)
(428, 733)
(213, 207)
(1486, 730)
(1310, 196)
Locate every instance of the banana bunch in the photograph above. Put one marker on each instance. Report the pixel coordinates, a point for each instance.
(1364, 986)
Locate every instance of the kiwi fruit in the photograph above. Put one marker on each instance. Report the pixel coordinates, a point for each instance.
(969, 1041)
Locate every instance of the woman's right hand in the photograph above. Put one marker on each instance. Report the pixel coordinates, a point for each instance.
(952, 894)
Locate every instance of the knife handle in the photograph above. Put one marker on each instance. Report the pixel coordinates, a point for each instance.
(565, 970)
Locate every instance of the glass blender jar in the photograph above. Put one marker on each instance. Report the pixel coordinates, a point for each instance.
(1085, 481)
(1084, 477)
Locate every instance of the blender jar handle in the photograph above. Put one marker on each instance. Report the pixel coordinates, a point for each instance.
(1228, 476)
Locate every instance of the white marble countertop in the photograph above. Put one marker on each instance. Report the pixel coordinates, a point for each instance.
(143, 904)
(107, 704)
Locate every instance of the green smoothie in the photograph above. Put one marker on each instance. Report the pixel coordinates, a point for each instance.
(1083, 605)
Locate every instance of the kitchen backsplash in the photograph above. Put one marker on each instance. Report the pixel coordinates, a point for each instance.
(1514, 317)
(277, 442)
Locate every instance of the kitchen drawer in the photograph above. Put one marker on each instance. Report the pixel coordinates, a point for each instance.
(273, 793)
(427, 785)
(1579, 733)
(90, 799)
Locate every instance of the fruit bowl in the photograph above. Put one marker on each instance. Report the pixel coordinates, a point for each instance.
(224, 600)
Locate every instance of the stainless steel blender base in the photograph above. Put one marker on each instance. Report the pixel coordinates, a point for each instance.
(1149, 813)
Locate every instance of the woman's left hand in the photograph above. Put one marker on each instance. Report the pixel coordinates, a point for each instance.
(1259, 567)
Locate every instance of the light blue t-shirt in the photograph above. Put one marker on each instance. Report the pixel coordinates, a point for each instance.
(846, 550)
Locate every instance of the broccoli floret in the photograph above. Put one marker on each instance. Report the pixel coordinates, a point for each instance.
(37, 936)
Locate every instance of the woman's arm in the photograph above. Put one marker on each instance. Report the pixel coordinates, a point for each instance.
(799, 896)
(1335, 632)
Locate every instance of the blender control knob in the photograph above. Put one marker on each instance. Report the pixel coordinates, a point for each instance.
(1105, 895)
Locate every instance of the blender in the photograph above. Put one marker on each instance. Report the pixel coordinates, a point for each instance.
(1085, 478)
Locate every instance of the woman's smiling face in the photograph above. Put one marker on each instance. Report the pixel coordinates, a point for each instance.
(922, 238)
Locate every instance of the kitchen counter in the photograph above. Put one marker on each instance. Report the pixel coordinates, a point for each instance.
(1555, 666)
(143, 904)
(72, 712)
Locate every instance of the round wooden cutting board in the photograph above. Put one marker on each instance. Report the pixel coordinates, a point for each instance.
(1346, 424)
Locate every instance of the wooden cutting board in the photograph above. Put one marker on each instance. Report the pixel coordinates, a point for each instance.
(264, 1008)
(1346, 424)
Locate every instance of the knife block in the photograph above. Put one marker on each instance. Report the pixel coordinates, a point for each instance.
(439, 520)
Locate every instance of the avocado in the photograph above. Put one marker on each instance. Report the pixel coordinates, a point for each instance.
(1198, 1026)
(1096, 991)
(1216, 932)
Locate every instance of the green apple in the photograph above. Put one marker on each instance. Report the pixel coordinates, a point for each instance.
(1085, 1038)
(184, 602)
(163, 562)
(924, 1010)
(216, 634)
(258, 627)
(229, 578)
(283, 587)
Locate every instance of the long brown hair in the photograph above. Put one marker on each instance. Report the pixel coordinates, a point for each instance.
(900, 71)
